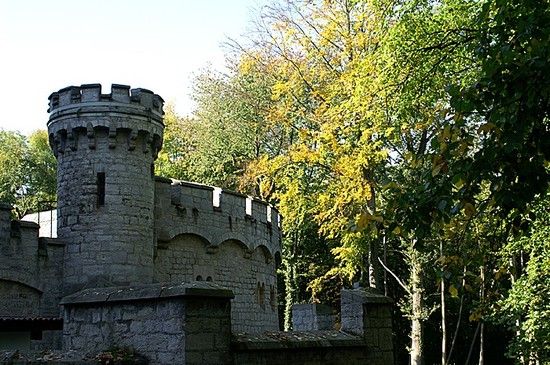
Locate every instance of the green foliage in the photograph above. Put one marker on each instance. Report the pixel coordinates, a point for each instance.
(507, 105)
(419, 127)
(27, 171)
(179, 144)
(525, 309)
(228, 130)
(12, 152)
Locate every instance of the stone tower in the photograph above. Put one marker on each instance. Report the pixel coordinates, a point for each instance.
(105, 145)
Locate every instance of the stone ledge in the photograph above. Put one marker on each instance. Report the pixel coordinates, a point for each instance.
(368, 296)
(146, 292)
(51, 241)
(190, 184)
(295, 340)
(28, 224)
(162, 179)
(319, 309)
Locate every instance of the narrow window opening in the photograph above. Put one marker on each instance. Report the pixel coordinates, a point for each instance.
(100, 189)
(272, 298)
(262, 296)
(199, 278)
(209, 278)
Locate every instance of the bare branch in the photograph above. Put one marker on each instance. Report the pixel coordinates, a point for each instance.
(395, 276)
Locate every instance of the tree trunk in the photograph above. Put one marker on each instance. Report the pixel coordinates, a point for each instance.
(374, 267)
(481, 344)
(290, 287)
(455, 336)
(385, 263)
(417, 307)
(482, 325)
(375, 270)
(443, 315)
(472, 344)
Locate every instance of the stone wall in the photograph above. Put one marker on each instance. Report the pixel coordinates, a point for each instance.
(177, 324)
(18, 300)
(368, 314)
(312, 317)
(365, 337)
(214, 214)
(250, 275)
(230, 239)
(30, 282)
(297, 348)
(30, 269)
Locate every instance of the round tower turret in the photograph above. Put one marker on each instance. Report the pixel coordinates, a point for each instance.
(105, 145)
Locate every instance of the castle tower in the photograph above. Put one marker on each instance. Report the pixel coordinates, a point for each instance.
(105, 145)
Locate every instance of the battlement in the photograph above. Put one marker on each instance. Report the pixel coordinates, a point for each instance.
(216, 215)
(82, 114)
(89, 95)
(185, 193)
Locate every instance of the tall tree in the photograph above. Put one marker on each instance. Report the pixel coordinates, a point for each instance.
(397, 137)
(27, 171)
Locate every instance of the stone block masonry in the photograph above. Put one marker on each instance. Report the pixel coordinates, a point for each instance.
(208, 234)
(30, 269)
(105, 146)
(123, 226)
(312, 317)
(168, 324)
(367, 313)
(168, 268)
(365, 337)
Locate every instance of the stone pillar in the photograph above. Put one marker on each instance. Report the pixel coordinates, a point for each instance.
(105, 145)
(312, 317)
(368, 314)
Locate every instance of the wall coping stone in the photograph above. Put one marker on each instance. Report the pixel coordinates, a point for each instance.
(234, 193)
(146, 292)
(163, 179)
(319, 308)
(51, 241)
(294, 339)
(368, 296)
(192, 185)
(28, 224)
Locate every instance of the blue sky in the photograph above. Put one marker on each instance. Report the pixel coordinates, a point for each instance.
(158, 45)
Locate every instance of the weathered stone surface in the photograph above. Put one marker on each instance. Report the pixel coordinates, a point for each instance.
(312, 317)
(147, 291)
(187, 323)
(166, 267)
(312, 347)
(368, 314)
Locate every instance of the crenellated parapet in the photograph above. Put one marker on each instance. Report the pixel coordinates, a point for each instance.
(105, 145)
(80, 116)
(204, 233)
(216, 215)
